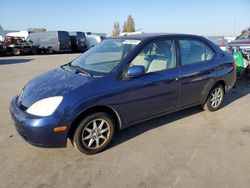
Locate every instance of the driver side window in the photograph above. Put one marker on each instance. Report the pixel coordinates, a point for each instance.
(156, 56)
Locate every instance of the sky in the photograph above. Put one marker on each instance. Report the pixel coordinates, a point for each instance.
(202, 17)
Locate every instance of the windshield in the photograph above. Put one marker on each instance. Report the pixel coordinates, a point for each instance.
(104, 57)
(245, 35)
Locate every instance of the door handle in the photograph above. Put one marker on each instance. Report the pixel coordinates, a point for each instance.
(175, 78)
(161, 82)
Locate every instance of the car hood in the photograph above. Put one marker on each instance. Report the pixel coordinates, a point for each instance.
(239, 42)
(57, 82)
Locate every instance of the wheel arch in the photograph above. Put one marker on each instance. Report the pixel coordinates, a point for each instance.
(205, 105)
(219, 82)
(101, 108)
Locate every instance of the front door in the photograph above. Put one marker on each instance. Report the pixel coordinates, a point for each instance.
(158, 90)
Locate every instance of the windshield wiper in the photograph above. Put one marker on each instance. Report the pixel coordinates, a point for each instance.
(81, 70)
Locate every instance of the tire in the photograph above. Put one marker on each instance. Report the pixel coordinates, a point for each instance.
(39, 51)
(16, 51)
(90, 139)
(34, 51)
(3, 53)
(214, 99)
(49, 51)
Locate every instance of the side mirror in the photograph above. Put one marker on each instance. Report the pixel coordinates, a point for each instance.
(136, 71)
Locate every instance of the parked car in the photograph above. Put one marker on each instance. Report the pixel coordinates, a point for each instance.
(118, 83)
(19, 45)
(78, 41)
(3, 48)
(93, 40)
(52, 41)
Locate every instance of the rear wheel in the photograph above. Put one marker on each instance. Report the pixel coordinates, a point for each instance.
(34, 51)
(50, 50)
(215, 98)
(94, 133)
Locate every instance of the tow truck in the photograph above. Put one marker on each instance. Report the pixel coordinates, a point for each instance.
(19, 43)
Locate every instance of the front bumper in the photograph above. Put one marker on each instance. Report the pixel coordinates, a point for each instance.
(38, 131)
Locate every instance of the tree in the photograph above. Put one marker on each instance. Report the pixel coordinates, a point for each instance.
(1, 28)
(129, 25)
(116, 29)
(124, 27)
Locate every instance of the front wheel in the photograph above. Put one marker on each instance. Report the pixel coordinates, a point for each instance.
(94, 133)
(215, 98)
(34, 51)
(16, 51)
(49, 51)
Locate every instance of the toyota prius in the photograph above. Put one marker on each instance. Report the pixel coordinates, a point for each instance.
(118, 83)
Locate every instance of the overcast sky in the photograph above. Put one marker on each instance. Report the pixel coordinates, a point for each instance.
(211, 17)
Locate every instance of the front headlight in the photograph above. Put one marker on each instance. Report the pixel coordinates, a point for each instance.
(45, 107)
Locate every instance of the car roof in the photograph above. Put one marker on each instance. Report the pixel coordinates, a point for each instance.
(154, 36)
(145, 36)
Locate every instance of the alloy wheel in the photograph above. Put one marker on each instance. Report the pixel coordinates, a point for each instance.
(96, 133)
(216, 97)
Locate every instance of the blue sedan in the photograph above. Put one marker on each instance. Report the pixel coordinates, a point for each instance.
(118, 83)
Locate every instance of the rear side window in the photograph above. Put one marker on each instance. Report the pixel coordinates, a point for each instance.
(194, 51)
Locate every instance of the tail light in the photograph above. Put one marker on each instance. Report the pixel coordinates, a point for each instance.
(234, 65)
(58, 44)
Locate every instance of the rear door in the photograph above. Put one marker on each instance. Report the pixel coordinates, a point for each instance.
(81, 40)
(64, 41)
(197, 64)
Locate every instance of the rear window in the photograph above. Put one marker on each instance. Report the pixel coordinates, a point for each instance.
(194, 51)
